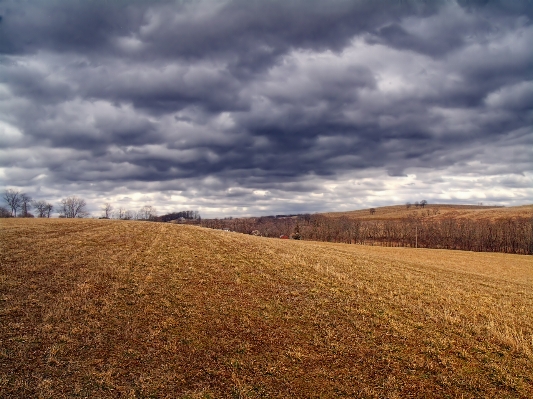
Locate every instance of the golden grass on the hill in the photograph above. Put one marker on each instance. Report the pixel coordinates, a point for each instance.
(439, 212)
(131, 309)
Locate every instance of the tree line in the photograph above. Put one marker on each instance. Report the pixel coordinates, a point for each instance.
(180, 216)
(506, 235)
(147, 212)
(20, 204)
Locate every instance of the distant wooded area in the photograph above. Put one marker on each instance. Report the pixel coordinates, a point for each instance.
(511, 235)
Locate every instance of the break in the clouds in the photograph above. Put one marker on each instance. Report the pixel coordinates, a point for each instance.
(267, 106)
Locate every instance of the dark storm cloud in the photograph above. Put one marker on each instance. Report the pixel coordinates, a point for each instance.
(276, 96)
(60, 25)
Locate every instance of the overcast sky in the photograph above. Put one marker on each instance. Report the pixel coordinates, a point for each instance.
(257, 107)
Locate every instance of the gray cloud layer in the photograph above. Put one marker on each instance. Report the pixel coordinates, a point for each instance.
(258, 106)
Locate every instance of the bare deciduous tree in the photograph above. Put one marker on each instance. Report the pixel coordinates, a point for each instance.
(119, 213)
(44, 209)
(40, 208)
(25, 205)
(13, 200)
(4, 213)
(296, 234)
(73, 207)
(147, 212)
(123, 214)
(49, 208)
(107, 208)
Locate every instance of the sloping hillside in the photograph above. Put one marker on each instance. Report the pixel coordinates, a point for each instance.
(439, 212)
(99, 308)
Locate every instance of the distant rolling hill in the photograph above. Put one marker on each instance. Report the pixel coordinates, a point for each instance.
(104, 308)
(438, 212)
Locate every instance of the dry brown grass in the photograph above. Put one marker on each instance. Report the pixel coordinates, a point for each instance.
(93, 308)
(439, 212)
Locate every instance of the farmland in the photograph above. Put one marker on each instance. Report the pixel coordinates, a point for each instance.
(105, 308)
(439, 212)
(460, 227)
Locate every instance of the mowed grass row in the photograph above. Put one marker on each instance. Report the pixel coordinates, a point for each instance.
(97, 308)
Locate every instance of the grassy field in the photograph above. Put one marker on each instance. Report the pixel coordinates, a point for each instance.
(439, 212)
(101, 308)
